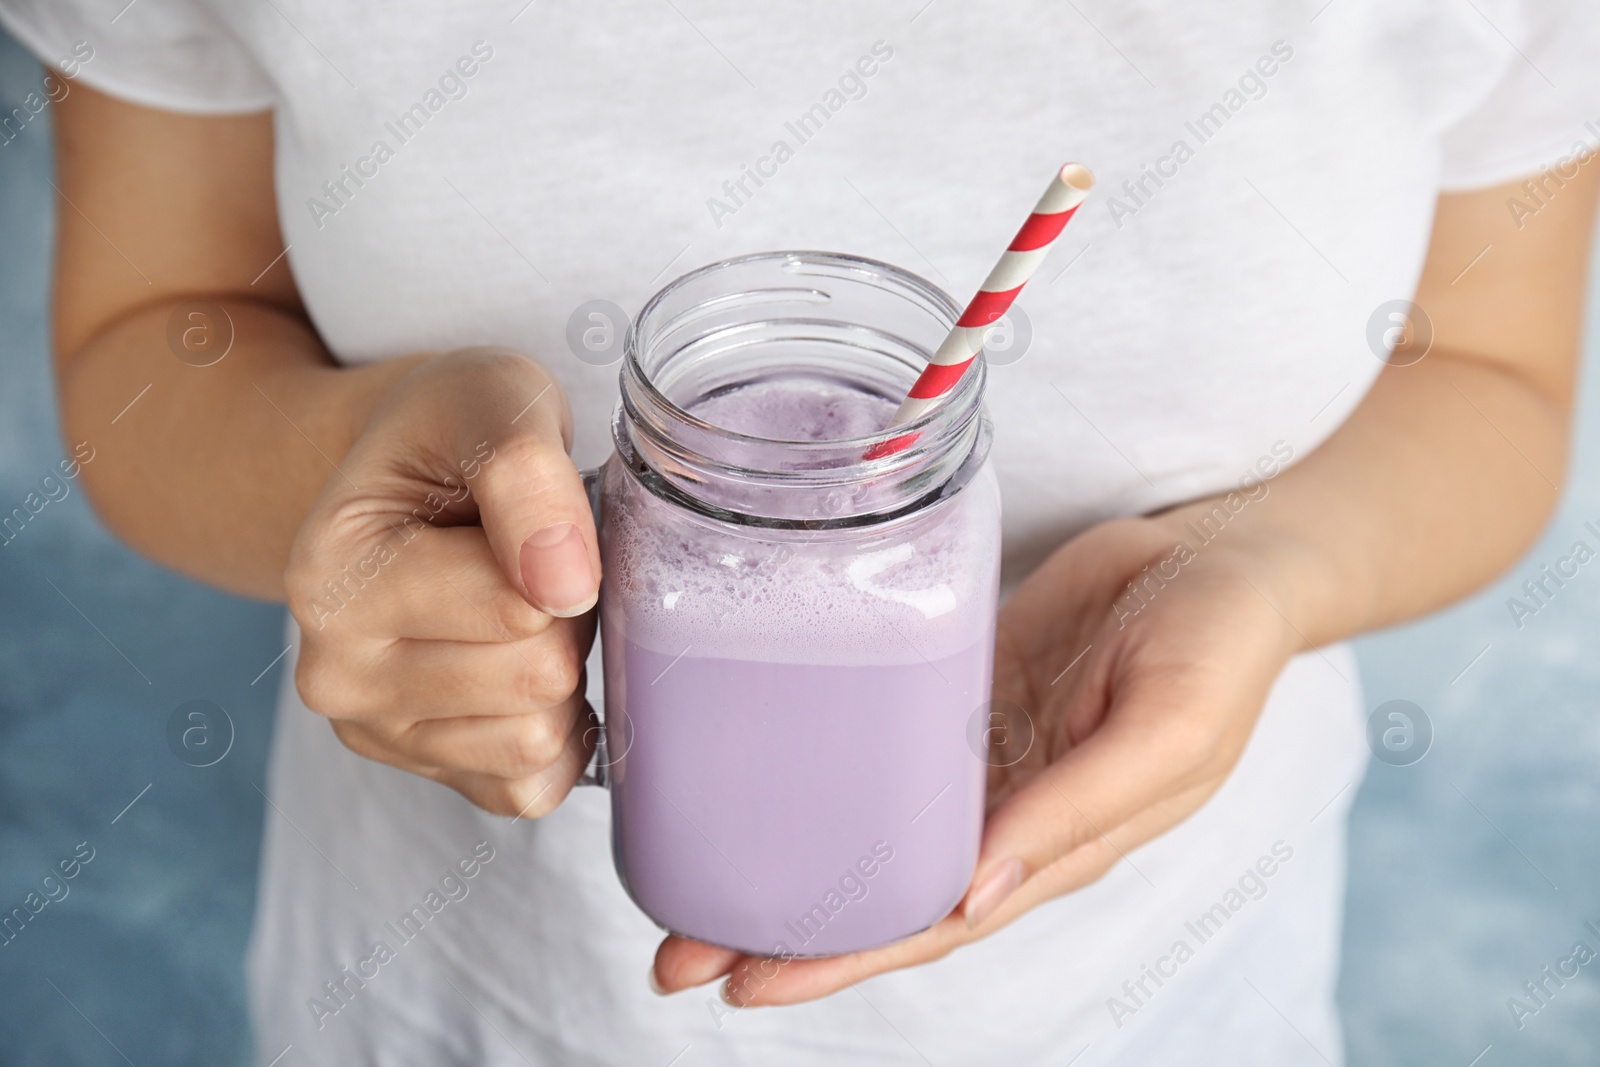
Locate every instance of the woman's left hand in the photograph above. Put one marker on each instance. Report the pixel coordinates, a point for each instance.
(1139, 706)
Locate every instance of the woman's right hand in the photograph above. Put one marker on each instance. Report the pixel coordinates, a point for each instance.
(444, 580)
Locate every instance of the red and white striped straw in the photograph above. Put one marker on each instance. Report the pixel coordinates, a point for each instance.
(1022, 257)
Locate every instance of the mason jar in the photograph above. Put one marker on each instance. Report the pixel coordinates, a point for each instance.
(795, 638)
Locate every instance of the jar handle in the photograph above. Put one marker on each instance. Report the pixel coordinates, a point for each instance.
(598, 772)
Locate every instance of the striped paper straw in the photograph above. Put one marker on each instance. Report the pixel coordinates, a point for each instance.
(1027, 250)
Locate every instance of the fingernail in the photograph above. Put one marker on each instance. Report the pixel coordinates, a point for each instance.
(556, 571)
(1001, 883)
(655, 983)
(726, 993)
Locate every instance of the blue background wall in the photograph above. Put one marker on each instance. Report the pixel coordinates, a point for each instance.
(1471, 870)
(148, 942)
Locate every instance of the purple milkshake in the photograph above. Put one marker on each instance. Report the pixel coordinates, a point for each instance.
(788, 708)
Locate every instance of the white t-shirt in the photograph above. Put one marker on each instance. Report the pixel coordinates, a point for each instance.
(473, 172)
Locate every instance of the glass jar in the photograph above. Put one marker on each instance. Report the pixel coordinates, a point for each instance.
(795, 638)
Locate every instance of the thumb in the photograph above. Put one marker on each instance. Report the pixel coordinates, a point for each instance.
(537, 517)
(1081, 800)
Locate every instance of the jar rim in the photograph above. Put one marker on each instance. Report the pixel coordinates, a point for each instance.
(940, 301)
(772, 482)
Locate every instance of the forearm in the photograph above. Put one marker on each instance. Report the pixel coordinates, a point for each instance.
(1438, 482)
(1450, 466)
(210, 470)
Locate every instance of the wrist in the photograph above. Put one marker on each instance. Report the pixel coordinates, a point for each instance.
(455, 399)
(1294, 579)
(332, 406)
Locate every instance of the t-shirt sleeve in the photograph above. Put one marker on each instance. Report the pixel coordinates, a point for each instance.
(172, 54)
(1545, 103)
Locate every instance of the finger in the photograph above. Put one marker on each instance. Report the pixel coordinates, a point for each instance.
(512, 747)
(434, 583)
(451, 679)
(1138, 758)
(756, 981)
(763, 980)
(1091, 861)
(450, 588)
(536, 795)
(507, 746)
(393, 686)
(537, 515)
(759, 982)
(682, 962)
(515, 749)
